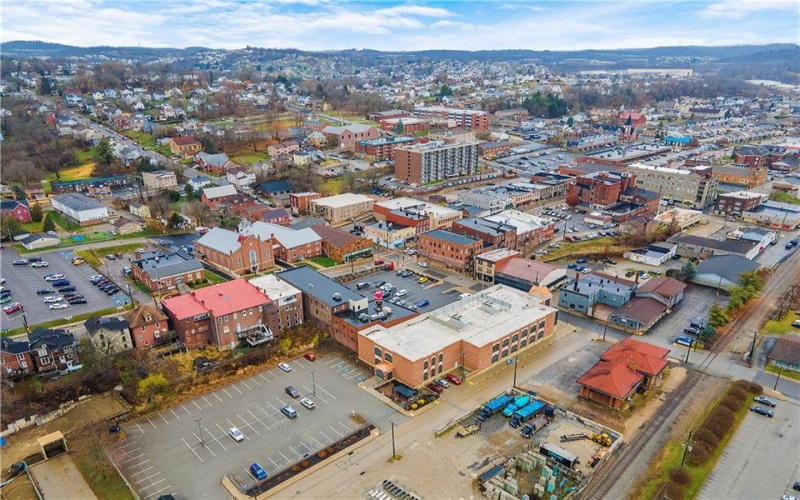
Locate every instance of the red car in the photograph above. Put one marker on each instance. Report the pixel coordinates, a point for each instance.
(438, 389)
(453, 379)
(379, 262)
(310, 356)
(12, 308)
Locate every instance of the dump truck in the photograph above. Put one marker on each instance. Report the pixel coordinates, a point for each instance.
(467, 431)
(526, 413)
(602, 438)
(519, 402)
(494, 406)
(531, 427)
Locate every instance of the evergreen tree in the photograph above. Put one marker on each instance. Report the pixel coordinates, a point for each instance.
(37, 213)
(48, 224)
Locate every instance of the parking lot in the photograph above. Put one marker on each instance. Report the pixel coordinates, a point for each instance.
(24, 281)
(437, 291)
(760, 460)
(697, 300)
(186, 450)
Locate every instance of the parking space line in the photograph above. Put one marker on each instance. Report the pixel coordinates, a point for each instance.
(326, 391)
(248, 424)
(162, 418)
(141, 480)
(258, 419)
(234, 387)
(187, 411)
(151, 485)
(204, 444)
(133, 458)
(151, 422)
(197, 405)
(207, 401)
(263, 377)
(347, 429)
(273, 463)
(337, 432)
(226, 392)
(140, 463)
(143, 470)
(315, 441)
(299, 455)
(245, 384)
(154, 493)
(284, 457)
(126, 445)
(139, 427)
(332, 360)
(270, 405)
(280, 402)
(326, 437)
(173, 412)
(255, 381)
(219, 442)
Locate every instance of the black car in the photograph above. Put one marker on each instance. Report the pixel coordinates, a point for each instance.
(292, 392)
(107, 286)
(21, 262)
(34, 259)
(45, 291)
(67, 289)
(379, 284)
(762, 411)
(76, 301)
(112, 291)
(691, 330)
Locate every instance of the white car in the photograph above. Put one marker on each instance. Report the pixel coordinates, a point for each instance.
(52, 300)
(285, 367)
(307, 403)
(236, 434)
(96, 277)
(54, 277)
(41, 263)
(60, 305)
(422, 264)
(401, 293)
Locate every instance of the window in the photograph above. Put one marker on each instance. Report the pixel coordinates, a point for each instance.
(541, 326)
(387, 357)
(158, 324)
(495, 357)
(504, 353)
(524, 342)
(514, 348)
(524, 332)
(253, 257)
(219, 320)
(378, 352)
(425, 375)
(425, 365)
(495, 347)
(541, 333)
(440, 357)
(441, 368)
(226, 318)
(515, 338)
(505, 344)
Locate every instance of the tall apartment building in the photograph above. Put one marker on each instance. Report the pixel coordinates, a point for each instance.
(695, 187)
(467, 118)
(435, 161)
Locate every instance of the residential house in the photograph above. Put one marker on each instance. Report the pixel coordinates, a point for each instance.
(666, 290)
(185, 146)
(285, 147)
(35, 195)
(109, 335)
(15, 358)
(148, 326)
(127, 226)
(81, 209)
(241, 177)
(53, 349)
(342, 246)
(216, 163)
(234, 252)
(15, 209)
(160, 271)
(139, 210)
(587, 291)
(785, 353)
(213, 196)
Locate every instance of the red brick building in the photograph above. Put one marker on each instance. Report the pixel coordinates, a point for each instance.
(234, 252)
(494, 234)
(383, 147)
(409, 218)
(346, 136)
(148, 326)
(636, 119)
(449, 249)
(600, 189)
(301, 202)
(406, 126)
(491, 150)
(213, 196)
(15, 358)
(466, 118)
(342, 246)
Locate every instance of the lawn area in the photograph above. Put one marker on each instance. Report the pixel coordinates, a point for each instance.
(323, 261)
(58, 322)
(603, 245)
(84, 156)
(78, 173)
(32, 227)
(784, 197)
(93, 256)
(781, 326)
(142, 138)
(97, 470)
(672, 454)
(250, 157)
(331, 186)
(90, 257)
(62, 221)
(783, 373)
(212, 278)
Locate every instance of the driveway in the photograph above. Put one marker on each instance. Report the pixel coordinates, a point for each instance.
(186, 450)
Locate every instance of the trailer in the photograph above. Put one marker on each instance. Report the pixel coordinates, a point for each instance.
(494, 406)
(518, 403)
(526, 413)
(558, 454)
(572, 437)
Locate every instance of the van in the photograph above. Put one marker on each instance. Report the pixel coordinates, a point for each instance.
(289, 411)
(464, 296)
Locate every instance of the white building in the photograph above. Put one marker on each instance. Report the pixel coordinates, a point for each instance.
(80, 208)
(342, 207)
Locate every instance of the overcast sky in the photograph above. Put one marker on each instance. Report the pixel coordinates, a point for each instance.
(392, 25)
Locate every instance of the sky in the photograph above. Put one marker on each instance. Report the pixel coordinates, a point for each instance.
(401, 25)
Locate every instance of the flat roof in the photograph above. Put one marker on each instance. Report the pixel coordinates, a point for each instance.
(342, 200)
(458, 239)
(666, 170)
(273, 287)
(320, 286)
(499, 254)
(480, 319)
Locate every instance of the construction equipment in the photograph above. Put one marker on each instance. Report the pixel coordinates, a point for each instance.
(602, 438)
(467, 431)
(573, 437)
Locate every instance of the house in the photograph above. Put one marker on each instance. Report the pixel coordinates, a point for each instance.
(148, 326)
(109, 334)
(274, 188)
(285, 147)
(216, 163)
(622, 370)
(39, 240)
(241, 177)
(656, 254)
(160, 272)
(234, 252)
(342, 246)
(159, 180)
(722, 271)
(15, 209)
(184, 146)
(213, 196)
(139, 210)
(80, 208)
(222, 315)
(290, 245)
(35, 195)
(53, 350)
(347, 135)
(127, 226)
(587, 291)
(666, 290)
(785, 354)
(15, 357)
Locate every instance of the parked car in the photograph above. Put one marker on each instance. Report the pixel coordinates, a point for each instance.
(422, 264)
(310, 356)
(236, 434)
(96, 277)
(112, 291)
(285, 367)
(684, 340)
(111, 257)
(361, 286)
(765, 401)
(77, 300)
(442, 383)
(289, 411)
(45, 291)
(60, 283)
(406, 273)
(691, 330)
(54, 277)
(60, 305)
(572, 266)
(307, 404)
(451, 377)
(292, 392)
(423, 279)
(401, 293)
(762, 411)
(12, 308)
(257, 471)
(582, 261)
(52, 300)
(21, 262)
(67, 289)
(438, 389)
(77, 261)
(379, 262)
(41, 263)
(423, 303)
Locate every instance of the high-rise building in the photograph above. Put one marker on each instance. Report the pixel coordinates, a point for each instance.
(435, 161)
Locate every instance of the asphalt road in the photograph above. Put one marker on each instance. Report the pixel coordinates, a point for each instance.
(438, 295)
(163, 453)
(23, 281)
(760, 460)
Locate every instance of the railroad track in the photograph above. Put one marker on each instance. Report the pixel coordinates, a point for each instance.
(610, 473)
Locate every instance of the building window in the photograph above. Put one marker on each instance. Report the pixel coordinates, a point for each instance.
(541, 333)
(504, 353)
(541, 326)
(524, 342)
(514, 348)
(387, 357)
(495, 347)
(441, 368)
(425, 375)
(440, 357)
(505, 344)
(524, 332)
(495, 357)
(425, 365)
(515, 338)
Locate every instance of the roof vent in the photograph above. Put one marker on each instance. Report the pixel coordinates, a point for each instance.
(337, 296)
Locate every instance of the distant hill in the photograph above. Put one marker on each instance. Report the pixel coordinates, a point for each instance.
(46, 49)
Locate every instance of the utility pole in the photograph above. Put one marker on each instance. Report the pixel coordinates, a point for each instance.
(686, 447)
(516, 362)
(462, 364)
(394, 452)
(752, 350)
(688, 350)
(778, 378)
(605, 329)
(200, 428)
(313, 384)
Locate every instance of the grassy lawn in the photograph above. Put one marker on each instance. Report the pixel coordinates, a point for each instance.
(32, 227)
(84, 156)
(250, 157)
(784, 325)
(78, 173)
(147, 232)
(784, 373)
(58, 322)
(672, 454)
(599, 245)
(62, 221)
(324, 261)
(90, 257)
(142, 138)
(784, 197)
(331, 186)
(98, 472)
(214, 278)
(93, 257)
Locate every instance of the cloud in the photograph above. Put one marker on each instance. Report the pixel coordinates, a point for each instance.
(740, 9)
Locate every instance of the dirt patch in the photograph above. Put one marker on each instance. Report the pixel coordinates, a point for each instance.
(59, 478)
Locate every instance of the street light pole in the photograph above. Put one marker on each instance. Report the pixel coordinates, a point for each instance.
(516, 362)
(313, 384)
(200, 428)
(394, 452)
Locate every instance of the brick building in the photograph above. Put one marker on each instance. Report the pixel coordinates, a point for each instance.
(494, 234)
(234, 252)
(15, 358)
(692, 187)
(15, 209)
(734, 204)
(406, 126)
(741, 174)
(342, 246)
(160, 271)
(383, 147)
(601, 189)
(467, 118)
(346, 136)
(409, 218)
(213, 196)
(449, 249)
(434, 161)
(439, 217)
(148, 325)
(491, 150)
(289, 245)
(301, 202)
(285, 307)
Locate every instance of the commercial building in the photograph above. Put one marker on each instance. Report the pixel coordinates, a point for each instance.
(531, 229)
(213, 196)
(525, 274)
(285, 307)
(735, 203)
(487, 262)
(439, 217)
(160, 271)
(289, 245)
(466, 118)
(234, 252)
(449, 249)
(656, 254)
(80, 208)
(379, 116)
(346, 136)
(601, 189)
(222, 315)
(741, 174)
(774, 214)
(472, 334)
(596, 288)
(407, 125)
(383, 147)
(342, 246)
(699, 247)
(722, 271)
(389, 235)
(159, 180)
(435, 161)
(491, 150)
(148, 325)
(494, 234)
(301, 202)
(681, 217)
(342, 207)
(692, 188)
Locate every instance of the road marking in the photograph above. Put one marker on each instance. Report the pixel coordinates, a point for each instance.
(326, 391)
(133, 458)
(162, 418)
(226, 392)
(197, 405)
(273, 462)
(219, 442)
(270, 405)
(154, 493)
(332, 360)
(253, 379)
(151, 422)
(173, 412)
(337, 432)
(347, 429)
(204, 444)
(263, 377)
(141, 480)
(247, 424)
(126, 445)
(153, 484)
(207, 401)
(299, 455)
(139, 427)
(284, 457)
(245, 384)
(234, 387)
(187, 411)
(315, 441)
(215, 395)
(140, 463)
(258, 419)
(326, 437)
(143, 470)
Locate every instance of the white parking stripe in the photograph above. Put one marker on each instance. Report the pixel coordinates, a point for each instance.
(195, 453)
(234, 387)
(126, 445)
(263, 377)
(154, 493)
(173, 412)
(334, 430)
(216, 396)
(140, 463)
(139, 427)
(151, 485)
(255, 381)
(326, 437)
(197, 405)
(273, 463)
(133, 458)
(226, 392)
(315, 441)
(347, 429)
(143, 470)
(270, 405)
(248, 424)
(207, 401)
(205, 444)
(245, 384)
(320, 388)
(162, 418)
(219, 442)
(258, 419)
(143, 479)
(187, 411)
(284, 457)
(151, 422)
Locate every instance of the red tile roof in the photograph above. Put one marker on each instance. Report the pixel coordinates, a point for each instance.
(612, 378)
(220, 299)
(640, 356)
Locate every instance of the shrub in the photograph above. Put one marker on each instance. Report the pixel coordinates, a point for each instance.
(296, 468)
(742, 384)
(673, 491)
(330, 450)
(732, 403)
(707, 437)
(414, 406)
(322, 454)
(679, 476)
(722, 415)
(754, 388)
(305, 464)
(738, 393)
(698, 455)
